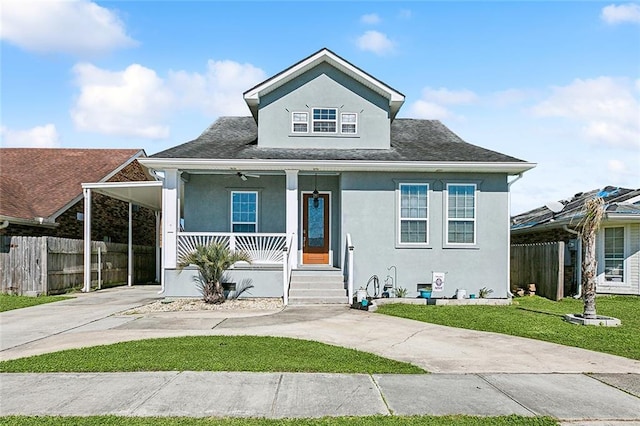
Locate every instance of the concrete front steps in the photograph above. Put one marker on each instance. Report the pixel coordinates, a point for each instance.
(323, 286)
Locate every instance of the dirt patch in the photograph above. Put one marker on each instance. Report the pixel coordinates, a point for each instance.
(178, 305)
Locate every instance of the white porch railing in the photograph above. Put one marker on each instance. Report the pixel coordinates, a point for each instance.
(261, 248)
(349, 268)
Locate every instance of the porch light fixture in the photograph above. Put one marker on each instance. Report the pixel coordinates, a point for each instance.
(315, 194)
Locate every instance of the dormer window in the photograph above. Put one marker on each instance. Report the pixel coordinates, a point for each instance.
(300, 122)
(325, 120)
(349, 123)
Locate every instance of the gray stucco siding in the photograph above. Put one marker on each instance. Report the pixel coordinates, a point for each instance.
(185, 283)
(370, 215)
(323, 87)
(207, 202)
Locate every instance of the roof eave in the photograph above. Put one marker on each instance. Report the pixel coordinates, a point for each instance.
(511, 168)
(252, 96)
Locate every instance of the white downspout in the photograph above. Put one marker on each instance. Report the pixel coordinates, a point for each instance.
(578, 260)
(509, 294)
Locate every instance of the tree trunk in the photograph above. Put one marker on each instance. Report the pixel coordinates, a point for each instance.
(213, 293)
(589, 276)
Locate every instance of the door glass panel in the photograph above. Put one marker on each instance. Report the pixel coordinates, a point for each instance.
(315, 222)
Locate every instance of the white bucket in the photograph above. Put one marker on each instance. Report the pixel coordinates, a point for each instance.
(361, 294)
(461, 293)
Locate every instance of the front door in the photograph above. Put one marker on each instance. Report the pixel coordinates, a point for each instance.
(315, 229)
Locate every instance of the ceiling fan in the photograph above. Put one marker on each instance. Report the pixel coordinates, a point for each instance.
(244, 176)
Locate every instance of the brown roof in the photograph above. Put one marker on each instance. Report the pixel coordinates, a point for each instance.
(38, 182)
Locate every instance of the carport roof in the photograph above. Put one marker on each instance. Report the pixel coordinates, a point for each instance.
(144, 193)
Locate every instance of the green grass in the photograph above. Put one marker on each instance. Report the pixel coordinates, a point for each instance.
(9, 302)
(212, 353)
(325, 421)
(541, 319)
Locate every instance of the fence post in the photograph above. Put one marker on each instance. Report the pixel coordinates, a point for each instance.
(560, 287)
(44, 265)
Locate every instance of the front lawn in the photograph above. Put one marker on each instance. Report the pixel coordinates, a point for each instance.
(212, 353)
(325, 421)
(541, 319)
(9, 302)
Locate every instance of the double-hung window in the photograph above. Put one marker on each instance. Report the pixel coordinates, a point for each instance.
(349, 123)
(614, 254)
(300, 122)
(244, 211)
(325, 120)
(414, 213)
(461, 214)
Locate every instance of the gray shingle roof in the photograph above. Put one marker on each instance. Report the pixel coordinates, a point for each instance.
(615, 199)
(411, 140)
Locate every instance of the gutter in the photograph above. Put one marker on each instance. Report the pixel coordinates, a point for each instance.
(579, 250)
(511, 168)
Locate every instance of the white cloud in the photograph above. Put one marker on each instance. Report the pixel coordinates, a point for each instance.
(133, 102)
(376, 42)
(613, 14)
(428, 110)
(607, 108)
(433, 103)
(370, 19)
(138, 102)
(449, 97)
(77, 27)
(219, 90)
(616, 166)
(37, 137)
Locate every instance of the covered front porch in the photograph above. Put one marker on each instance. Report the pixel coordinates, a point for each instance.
(283, 219)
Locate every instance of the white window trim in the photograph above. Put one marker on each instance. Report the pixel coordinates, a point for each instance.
(313, 121)
(601, 279)
(354, 123)
(474, 220)
(294, 122)
(400, 218)
(231, 222)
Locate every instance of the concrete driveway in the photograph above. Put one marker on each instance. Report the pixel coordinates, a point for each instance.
(95, 318)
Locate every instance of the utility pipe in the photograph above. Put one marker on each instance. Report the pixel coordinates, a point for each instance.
(578, 260)
(509, 294)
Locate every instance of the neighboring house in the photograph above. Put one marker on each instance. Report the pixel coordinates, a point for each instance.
(41, 193)
(323, 184)
(617, 243)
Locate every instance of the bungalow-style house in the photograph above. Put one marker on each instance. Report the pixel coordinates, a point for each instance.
(41, 193)
(326, 188)
(617, 243)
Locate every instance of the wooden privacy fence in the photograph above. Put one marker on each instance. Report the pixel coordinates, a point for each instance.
(540, 264)
(50, 265)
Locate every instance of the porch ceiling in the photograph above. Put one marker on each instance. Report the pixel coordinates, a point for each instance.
(144, 193)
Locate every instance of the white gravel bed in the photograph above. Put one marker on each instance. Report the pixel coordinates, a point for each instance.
(177, 305)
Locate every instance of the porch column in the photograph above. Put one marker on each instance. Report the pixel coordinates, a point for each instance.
(130, 248)
(292, 213)
(87, 240)
(170, 218)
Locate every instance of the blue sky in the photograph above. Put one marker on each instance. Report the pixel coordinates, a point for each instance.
(555, 83)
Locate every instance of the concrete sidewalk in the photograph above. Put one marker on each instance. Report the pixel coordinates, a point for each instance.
(569, 397)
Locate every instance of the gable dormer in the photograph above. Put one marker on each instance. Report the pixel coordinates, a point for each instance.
(326, 102)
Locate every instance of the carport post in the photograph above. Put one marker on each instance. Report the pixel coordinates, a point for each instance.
(130, 247)
(157, 246)
(87, 240)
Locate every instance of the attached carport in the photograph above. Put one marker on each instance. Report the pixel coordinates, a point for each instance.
(143, 193)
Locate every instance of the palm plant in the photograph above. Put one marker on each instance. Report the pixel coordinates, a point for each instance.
(212, 261)
(593, 214)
